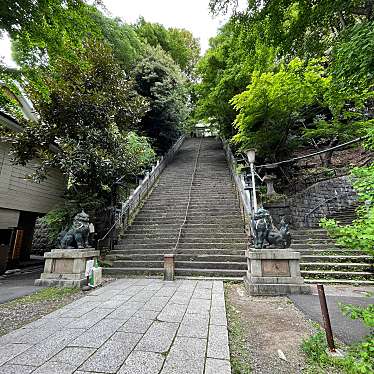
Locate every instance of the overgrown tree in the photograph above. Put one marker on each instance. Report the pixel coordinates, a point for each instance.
(87, 111)
(178, 43)
(160, 80)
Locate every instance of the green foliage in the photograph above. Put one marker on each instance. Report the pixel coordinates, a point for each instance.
(46, 294)
(178, 43)
(160, 80)
(226, 70)
(300, 28)
(239, 356)
(56, 220)
(122, 38)
(365, 314)
(352, 67)
(78, 67)
(252, 52)
(359, 235)
(52, 28)
(315, 348)
(8, 91)
(87, 110)
(359, 357)
(270, 105)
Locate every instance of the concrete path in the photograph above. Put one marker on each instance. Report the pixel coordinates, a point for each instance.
(131, 326)
(346, 329)
(18, 285)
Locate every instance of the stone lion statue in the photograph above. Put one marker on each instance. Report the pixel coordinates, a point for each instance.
(77, 235)
(265, 233)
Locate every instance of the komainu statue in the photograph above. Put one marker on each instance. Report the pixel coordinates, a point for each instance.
(266, 234)
(77, 235)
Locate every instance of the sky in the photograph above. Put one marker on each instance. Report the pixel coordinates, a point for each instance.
(192, 15)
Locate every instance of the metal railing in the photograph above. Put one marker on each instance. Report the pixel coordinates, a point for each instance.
(326, 205)
(189, 198)
(130, 206)
(244, 197)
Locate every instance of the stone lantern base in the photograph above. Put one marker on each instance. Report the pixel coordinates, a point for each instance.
(66, 268)
(273, 272)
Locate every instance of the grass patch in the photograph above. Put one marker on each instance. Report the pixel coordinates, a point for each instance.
(46, 294)
(359, 358)
(239, 355)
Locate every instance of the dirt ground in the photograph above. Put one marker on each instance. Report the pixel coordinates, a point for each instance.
(19, 312)
(273, 331)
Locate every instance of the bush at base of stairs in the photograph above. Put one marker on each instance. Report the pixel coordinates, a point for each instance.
(42, 240)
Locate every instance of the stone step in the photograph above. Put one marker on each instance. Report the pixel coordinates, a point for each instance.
(195, 227)
(310, 231)
(193, 252)
(211, 272)
(303, 245)
(202, 277)
(339, 281)
(354, 266)
(124, 272)
(219, 273)
(332, 252)
(190, 215)
(312, 241)
(181, 265)
(175, 206)
(179, 257)
(191, 219)
(337, 259)
(183, 238)
(316, 237)
(183, 245)
(211, 265)
(213, 242)
(176, 211)
(190, 235)
(334, 274)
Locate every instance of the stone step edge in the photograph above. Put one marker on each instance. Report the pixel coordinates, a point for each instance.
(336, 281)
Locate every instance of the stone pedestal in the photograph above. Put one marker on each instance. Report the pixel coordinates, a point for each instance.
(274, 272)
(66, 267)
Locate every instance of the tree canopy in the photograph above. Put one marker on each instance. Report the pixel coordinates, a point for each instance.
(106, 93)
(248, 86)
(178, 43)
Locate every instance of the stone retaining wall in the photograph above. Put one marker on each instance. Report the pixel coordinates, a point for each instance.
(329, 196)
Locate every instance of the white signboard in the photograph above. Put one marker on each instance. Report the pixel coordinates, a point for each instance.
(89, 267)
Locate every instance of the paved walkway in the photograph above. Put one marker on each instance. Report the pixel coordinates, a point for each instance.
(20, 284)
(131, 326)
(346, 329)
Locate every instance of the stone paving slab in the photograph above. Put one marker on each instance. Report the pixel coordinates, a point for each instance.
(131, 326)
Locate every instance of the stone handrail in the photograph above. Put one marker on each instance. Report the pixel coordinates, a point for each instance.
(243, 195)
(130, 206)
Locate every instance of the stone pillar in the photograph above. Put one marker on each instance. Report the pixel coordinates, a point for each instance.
(169, 267)
(67, 267)
(273, 272)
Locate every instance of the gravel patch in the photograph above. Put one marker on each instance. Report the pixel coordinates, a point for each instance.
(17, 313)
(272, 331)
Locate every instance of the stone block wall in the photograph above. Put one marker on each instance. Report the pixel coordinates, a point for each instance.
(327, 197)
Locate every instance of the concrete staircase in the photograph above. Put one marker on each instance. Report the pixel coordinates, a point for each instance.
(212, 242)
(325, 262)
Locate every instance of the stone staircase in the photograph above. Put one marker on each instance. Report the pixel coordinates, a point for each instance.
(325, 262)
(212, 241)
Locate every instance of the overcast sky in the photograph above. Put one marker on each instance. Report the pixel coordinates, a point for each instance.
(192, 15)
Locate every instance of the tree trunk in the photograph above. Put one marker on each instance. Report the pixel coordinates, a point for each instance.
(326, 161)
